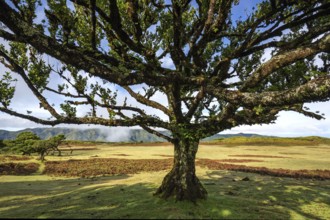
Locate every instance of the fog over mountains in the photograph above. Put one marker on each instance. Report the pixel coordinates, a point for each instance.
(98, 134)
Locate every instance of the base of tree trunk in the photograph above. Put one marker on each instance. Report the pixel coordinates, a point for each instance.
(181, 187)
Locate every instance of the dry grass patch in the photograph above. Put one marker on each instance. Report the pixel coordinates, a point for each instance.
(116, 166)
(289, 153)
(275, 141)
(163, 155)
(239, 160)
(82, 143)
(124, 155)
(261, 156)
(18, 168)
(323, 148)
(14, 158)
(309, 174)
(77, 148)
(144, 144)
(105, 166)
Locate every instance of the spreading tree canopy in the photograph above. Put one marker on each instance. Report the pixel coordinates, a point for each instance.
(226, 69)
(23, 142)
(28, 143)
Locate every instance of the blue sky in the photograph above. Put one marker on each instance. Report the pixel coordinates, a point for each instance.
(288, 124)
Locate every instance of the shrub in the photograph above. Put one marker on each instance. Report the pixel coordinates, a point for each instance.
(18, 168)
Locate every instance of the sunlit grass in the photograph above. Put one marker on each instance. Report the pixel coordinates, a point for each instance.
(130, 196)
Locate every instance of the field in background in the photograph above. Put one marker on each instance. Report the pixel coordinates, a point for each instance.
(128, 194)
(288, 153)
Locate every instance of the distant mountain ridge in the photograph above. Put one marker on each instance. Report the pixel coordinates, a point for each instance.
(98, 134)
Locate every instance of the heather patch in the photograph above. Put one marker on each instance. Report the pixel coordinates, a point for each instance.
(18, 168)
(105, 166)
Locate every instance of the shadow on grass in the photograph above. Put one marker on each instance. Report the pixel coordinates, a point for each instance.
(230, 197)
(268, 197)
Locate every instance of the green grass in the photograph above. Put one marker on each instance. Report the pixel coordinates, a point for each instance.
(131, 195)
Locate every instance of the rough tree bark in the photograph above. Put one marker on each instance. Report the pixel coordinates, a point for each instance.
(182, 182)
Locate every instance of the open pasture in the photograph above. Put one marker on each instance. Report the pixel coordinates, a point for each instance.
(128, 192)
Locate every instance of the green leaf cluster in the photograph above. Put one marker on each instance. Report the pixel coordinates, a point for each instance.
(39, 73)
(24, 142)
(7, 91)
(68, 110)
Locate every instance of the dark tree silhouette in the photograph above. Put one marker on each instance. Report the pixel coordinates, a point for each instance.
(28, 143)
(219, 78)
(43, 147)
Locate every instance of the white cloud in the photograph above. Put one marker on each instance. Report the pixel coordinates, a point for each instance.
(167, 62)
(291, 124)
(11, 123)
(116, 134)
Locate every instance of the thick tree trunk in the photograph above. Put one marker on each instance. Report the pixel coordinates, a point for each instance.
(182, 182)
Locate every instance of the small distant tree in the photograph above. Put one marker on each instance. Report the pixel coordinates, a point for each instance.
(43, 147)
(24, 142)
(55, 142)
(225, 69)
(28, 143)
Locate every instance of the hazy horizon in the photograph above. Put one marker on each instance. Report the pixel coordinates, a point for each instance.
(123, 131)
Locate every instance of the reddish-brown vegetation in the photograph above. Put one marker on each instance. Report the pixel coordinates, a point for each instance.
(239, 160)
(115, 166)
(18, 168)
(163, 155)
(261, 156)
(105, 166)
(311, 174)
(143, 144)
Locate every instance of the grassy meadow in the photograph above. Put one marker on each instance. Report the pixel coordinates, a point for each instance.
(282, 179)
